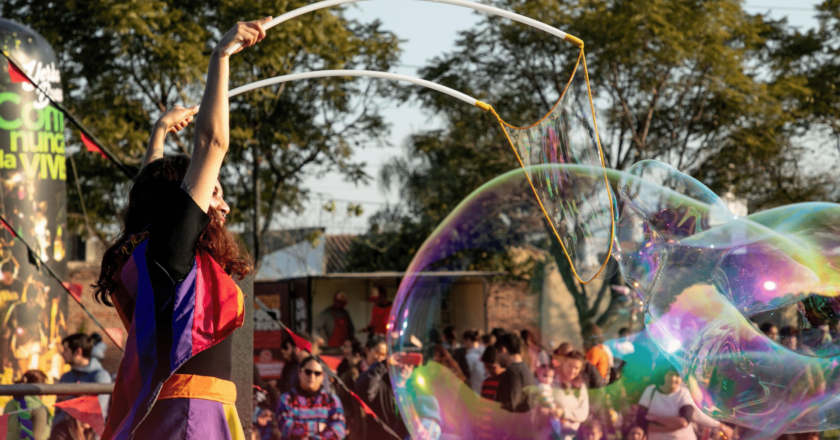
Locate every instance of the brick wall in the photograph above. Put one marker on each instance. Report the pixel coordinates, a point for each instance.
(511, 307)
(84, 273)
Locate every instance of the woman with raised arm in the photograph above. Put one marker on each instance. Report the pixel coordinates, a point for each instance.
(169, 276)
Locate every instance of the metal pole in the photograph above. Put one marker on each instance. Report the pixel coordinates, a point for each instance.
(58, 389)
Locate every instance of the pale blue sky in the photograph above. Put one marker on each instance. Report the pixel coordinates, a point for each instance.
(429, 30)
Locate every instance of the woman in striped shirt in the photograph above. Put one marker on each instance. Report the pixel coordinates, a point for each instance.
(309, 412)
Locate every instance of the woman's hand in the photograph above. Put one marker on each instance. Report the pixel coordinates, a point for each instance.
(243, 34)
(176, 118)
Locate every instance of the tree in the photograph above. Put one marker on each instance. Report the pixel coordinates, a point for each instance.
(123, 63)
(704, 86)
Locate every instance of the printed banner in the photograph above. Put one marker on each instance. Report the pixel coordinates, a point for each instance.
(33, 306)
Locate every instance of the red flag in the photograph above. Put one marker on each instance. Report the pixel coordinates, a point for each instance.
(16, 75)
(301, 343)
(92, 147)
(116, 335)
(332, 362)
(85, 409)
(366, 408)
(75, 290)
(8, 227)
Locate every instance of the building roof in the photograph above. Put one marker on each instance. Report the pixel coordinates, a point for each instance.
(294, 253)
(337, 247)
(381, 275)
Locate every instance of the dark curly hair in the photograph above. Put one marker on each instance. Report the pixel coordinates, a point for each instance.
(164, 176)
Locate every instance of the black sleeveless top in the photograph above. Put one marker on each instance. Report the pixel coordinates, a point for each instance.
(170, 257)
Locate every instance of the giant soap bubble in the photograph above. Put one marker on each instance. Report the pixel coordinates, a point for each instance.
(701, 278)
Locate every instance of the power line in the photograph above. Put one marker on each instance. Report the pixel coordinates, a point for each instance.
(780, 8)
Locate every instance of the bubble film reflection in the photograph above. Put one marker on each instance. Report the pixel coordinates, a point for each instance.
(581, 217)
(704, 278)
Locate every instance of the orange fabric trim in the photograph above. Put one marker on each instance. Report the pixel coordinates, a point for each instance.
(191, 386)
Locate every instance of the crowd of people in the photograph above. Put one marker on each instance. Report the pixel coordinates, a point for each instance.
(565, 393)
(30, 417)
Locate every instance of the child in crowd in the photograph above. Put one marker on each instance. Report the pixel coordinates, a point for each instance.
(543, 399)
(545, 395)
(591, 430)
(635, 433)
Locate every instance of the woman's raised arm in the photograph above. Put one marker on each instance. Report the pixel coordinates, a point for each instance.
(212, 131)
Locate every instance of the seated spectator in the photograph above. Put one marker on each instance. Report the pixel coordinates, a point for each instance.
(72, 429)
(591, 430)
(264, 424)
(571, 396)
(40, 418)
(667, 410)
(590, 375)
(308, 411)
(298, 355)
(635, 433)
(76, 351)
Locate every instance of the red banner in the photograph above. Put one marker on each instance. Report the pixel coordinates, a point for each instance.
(301, 343)
(75, 290)
(92, 147)
(85, 409)
(16, 75)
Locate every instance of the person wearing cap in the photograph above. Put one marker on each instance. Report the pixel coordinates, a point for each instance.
(335, 323)
(381, 312)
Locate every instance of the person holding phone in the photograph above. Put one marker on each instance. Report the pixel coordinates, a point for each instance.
(309, 412)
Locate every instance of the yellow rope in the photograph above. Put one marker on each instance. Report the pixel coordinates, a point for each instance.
(487, 107)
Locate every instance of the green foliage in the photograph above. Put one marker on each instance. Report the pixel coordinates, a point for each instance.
(722, 94)
(123, 63)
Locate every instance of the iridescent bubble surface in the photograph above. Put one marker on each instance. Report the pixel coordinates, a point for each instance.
(694, 285)
(580, 216)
